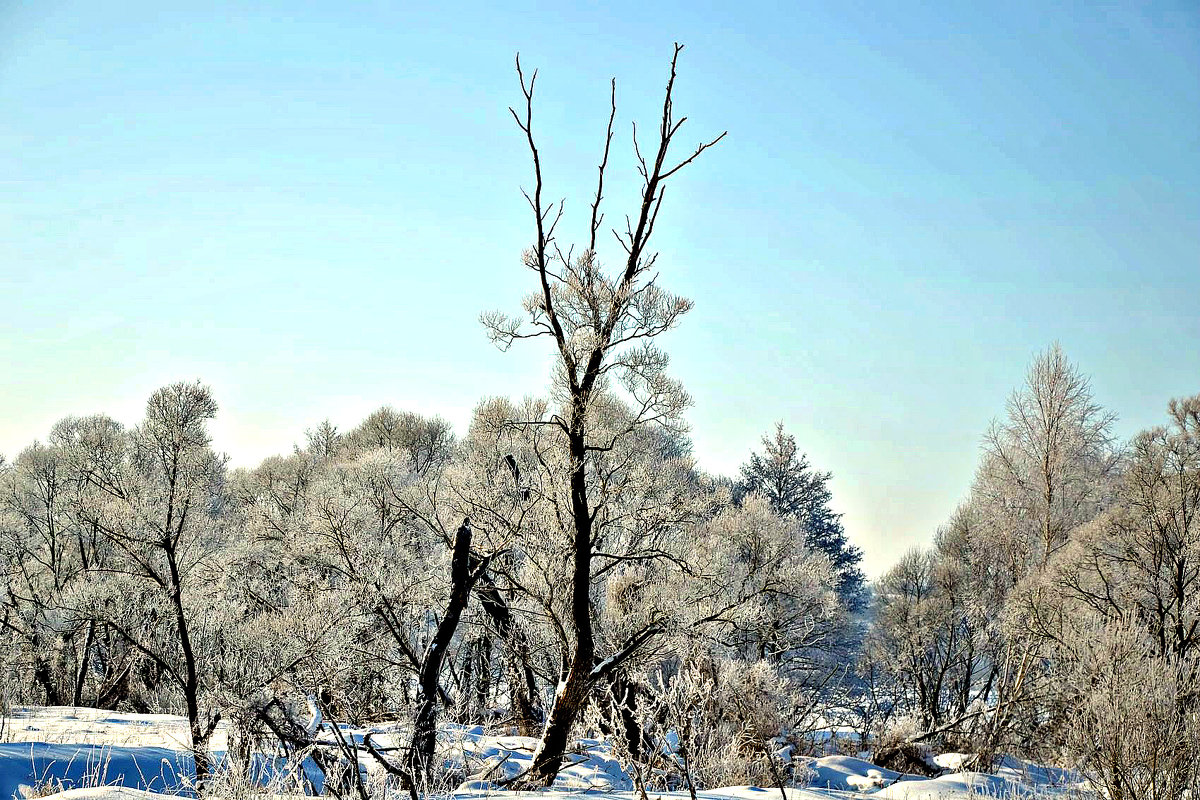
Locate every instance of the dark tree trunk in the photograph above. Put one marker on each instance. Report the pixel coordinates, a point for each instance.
(572, 697)
(462, 580)
(84, 660)
(483, 675)
(467, 680)
(111, 693)
(191, 676)
(43, 676)
(576, 685)
(526, 714)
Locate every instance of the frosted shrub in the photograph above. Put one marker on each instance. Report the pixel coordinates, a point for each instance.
(1136, 731)
(720, 723)
(897, 748)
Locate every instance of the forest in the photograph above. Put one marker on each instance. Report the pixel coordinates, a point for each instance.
(564, 572)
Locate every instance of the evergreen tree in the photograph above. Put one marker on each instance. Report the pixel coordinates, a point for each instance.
(783, 475)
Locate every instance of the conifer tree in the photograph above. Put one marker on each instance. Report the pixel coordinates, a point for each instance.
(795, 490)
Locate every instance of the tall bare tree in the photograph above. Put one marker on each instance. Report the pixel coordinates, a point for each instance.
(1050, 465)
(602, 326)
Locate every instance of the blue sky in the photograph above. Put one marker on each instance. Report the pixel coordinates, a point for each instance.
(307, 205)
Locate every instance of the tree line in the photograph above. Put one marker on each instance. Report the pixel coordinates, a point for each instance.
(394, 571)
(1057, 613)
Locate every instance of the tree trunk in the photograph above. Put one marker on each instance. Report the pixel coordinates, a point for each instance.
(526, 713)
(191, 677)
(462, 580)
(199, 744)
(483, 675)
(576, 686)
(84, 660)
(43, 675)
(569, 701)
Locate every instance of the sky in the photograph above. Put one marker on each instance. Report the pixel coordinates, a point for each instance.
(307, 206)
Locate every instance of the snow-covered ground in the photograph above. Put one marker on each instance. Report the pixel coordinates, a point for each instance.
(93, 726)
(85, 754)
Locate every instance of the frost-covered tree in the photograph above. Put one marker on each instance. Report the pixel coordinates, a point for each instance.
(602, 325)
(46, 548)
(1115, 621)
(951, 628)
(1141, 559)
(157, 495)
(924, 638)
(756, 613)
(720, 720)
(1049, 465)
(369, 523)
(424, 441)
(762, 592)
(646, 502)
(293, 638)
(497, 482)
(783, 475)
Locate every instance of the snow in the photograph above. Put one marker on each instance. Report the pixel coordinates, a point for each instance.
(1019, 775)
(959, 784)
(94, 726)
(107, 793)
(33, 764)
(85, 754)
(849, 774)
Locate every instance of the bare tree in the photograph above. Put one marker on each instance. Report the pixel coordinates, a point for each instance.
(1049, 466)
(602, 327)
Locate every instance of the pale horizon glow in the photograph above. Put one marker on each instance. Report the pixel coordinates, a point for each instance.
(307, 209)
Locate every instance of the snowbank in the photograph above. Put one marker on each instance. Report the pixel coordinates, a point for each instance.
(849, 774)
(959, 785)
(106, 793)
